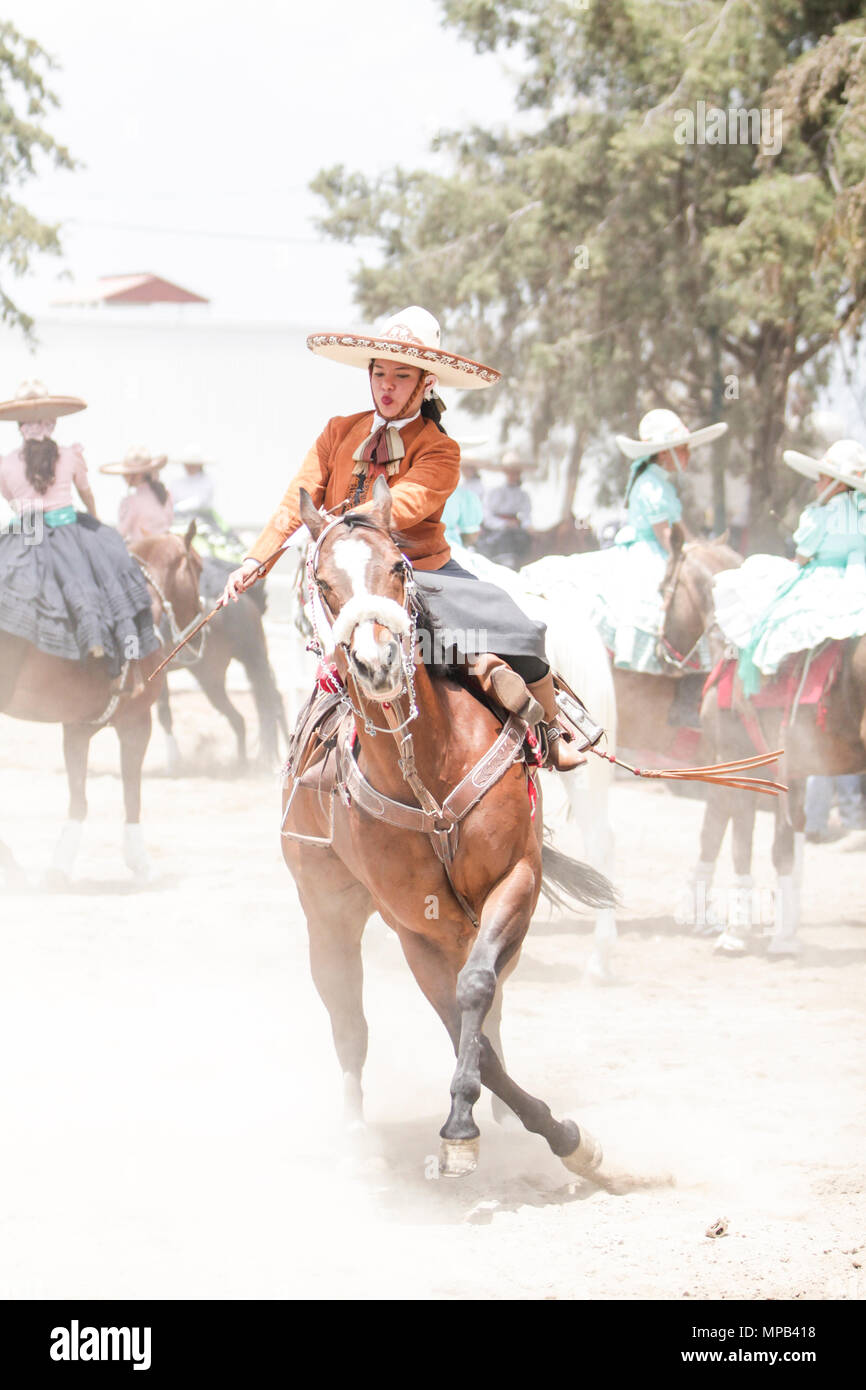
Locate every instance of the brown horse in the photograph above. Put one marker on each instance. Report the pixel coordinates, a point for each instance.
(461, 922)
(651, 709)
(81, 697)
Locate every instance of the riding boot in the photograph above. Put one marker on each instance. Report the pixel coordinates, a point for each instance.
(563, 753)
(506, 687)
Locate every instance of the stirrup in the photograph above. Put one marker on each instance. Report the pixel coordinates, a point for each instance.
(555, 743)
(577, 716)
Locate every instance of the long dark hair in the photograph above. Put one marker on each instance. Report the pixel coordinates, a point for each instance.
(159, 490)
(40, 463)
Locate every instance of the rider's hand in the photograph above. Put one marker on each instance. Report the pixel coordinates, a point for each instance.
(238, 580)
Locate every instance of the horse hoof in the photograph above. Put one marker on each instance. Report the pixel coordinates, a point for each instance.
(729, 944)
(586, 1158)
(457, 1157)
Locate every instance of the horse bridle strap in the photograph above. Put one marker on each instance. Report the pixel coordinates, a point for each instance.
(433, 819)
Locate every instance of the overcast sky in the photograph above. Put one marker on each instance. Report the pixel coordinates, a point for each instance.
(200, 124)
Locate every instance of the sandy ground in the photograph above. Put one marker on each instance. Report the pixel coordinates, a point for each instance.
(171, 1101)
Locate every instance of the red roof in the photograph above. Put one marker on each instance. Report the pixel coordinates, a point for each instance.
(143, 288)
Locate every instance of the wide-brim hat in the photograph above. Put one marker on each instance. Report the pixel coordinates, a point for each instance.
(513, 459)
(194, 454)
(138, 459)
(663, 429)
(844, 461)
(33, 401)
(413, 337)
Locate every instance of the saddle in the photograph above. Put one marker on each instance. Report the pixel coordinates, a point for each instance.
(322, 763)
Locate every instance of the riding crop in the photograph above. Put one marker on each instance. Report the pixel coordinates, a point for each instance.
(252, 577)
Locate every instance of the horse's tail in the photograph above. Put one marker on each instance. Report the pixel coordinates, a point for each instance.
(564, 879)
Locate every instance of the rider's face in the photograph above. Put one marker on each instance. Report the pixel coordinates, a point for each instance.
(395, 388)
(671, 457)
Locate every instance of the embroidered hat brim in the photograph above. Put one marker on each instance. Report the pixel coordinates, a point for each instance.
(127, 468)
(358, 349)
(32, 408)
(646, 448)
(816, 468)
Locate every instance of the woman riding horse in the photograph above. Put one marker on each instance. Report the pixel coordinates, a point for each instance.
(403, 440)
(771, 607)
(148, 507)
(68, 585)
(621, 584)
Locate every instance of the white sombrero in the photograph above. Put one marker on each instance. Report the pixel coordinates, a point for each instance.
(33, 401)
(194, 455)
(412, 336)
(844, 461)
(663, 429)
(138, 459)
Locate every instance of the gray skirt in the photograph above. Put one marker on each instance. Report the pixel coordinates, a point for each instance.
(473, 617)
(75, 589)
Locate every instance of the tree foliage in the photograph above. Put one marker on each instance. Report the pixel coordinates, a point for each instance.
(609, 265)
(25, 101)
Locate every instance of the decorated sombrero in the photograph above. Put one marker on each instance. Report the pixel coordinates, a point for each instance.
(663, 429)
(844, 461)
(138, 459)
(413, 337)
(33, 401)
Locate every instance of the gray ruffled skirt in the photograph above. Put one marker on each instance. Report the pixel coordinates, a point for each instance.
(473, 617)
(74, 589)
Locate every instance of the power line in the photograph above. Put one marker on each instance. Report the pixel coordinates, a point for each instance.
(210, 235)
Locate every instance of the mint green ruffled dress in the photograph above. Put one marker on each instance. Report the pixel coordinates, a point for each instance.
(619, 588)
(771, 607)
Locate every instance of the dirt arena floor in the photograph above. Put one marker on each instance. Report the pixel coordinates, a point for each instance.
(171, 1100)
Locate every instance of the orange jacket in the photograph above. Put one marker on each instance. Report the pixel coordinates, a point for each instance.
(428, 474)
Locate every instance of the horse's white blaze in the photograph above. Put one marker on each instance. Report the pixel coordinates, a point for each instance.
(359, 617)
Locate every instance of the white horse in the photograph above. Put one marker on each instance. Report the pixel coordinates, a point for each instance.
(576, 652)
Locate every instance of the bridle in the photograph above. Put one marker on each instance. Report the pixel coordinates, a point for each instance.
(410, 609)
(178, 634)
(666, 651)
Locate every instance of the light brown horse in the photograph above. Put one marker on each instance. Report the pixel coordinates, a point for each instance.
(646, 703)
(365, 586)
(81, 697)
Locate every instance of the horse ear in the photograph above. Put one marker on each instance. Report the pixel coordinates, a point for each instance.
(381, 508)
(310, 514)
(677, 538)
(189, 534)
(723, 538)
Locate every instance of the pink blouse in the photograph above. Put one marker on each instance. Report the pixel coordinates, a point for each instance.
(141, 514)
(19, 492)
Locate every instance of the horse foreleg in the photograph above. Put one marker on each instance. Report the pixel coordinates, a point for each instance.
(337, 911)
(172, 752)
(133, 731)
(784, 941)
(76, 746)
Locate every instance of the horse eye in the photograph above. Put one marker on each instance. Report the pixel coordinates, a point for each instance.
(398, 568)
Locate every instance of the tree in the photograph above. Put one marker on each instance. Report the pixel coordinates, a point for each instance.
(24, 103)
(651, 230)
